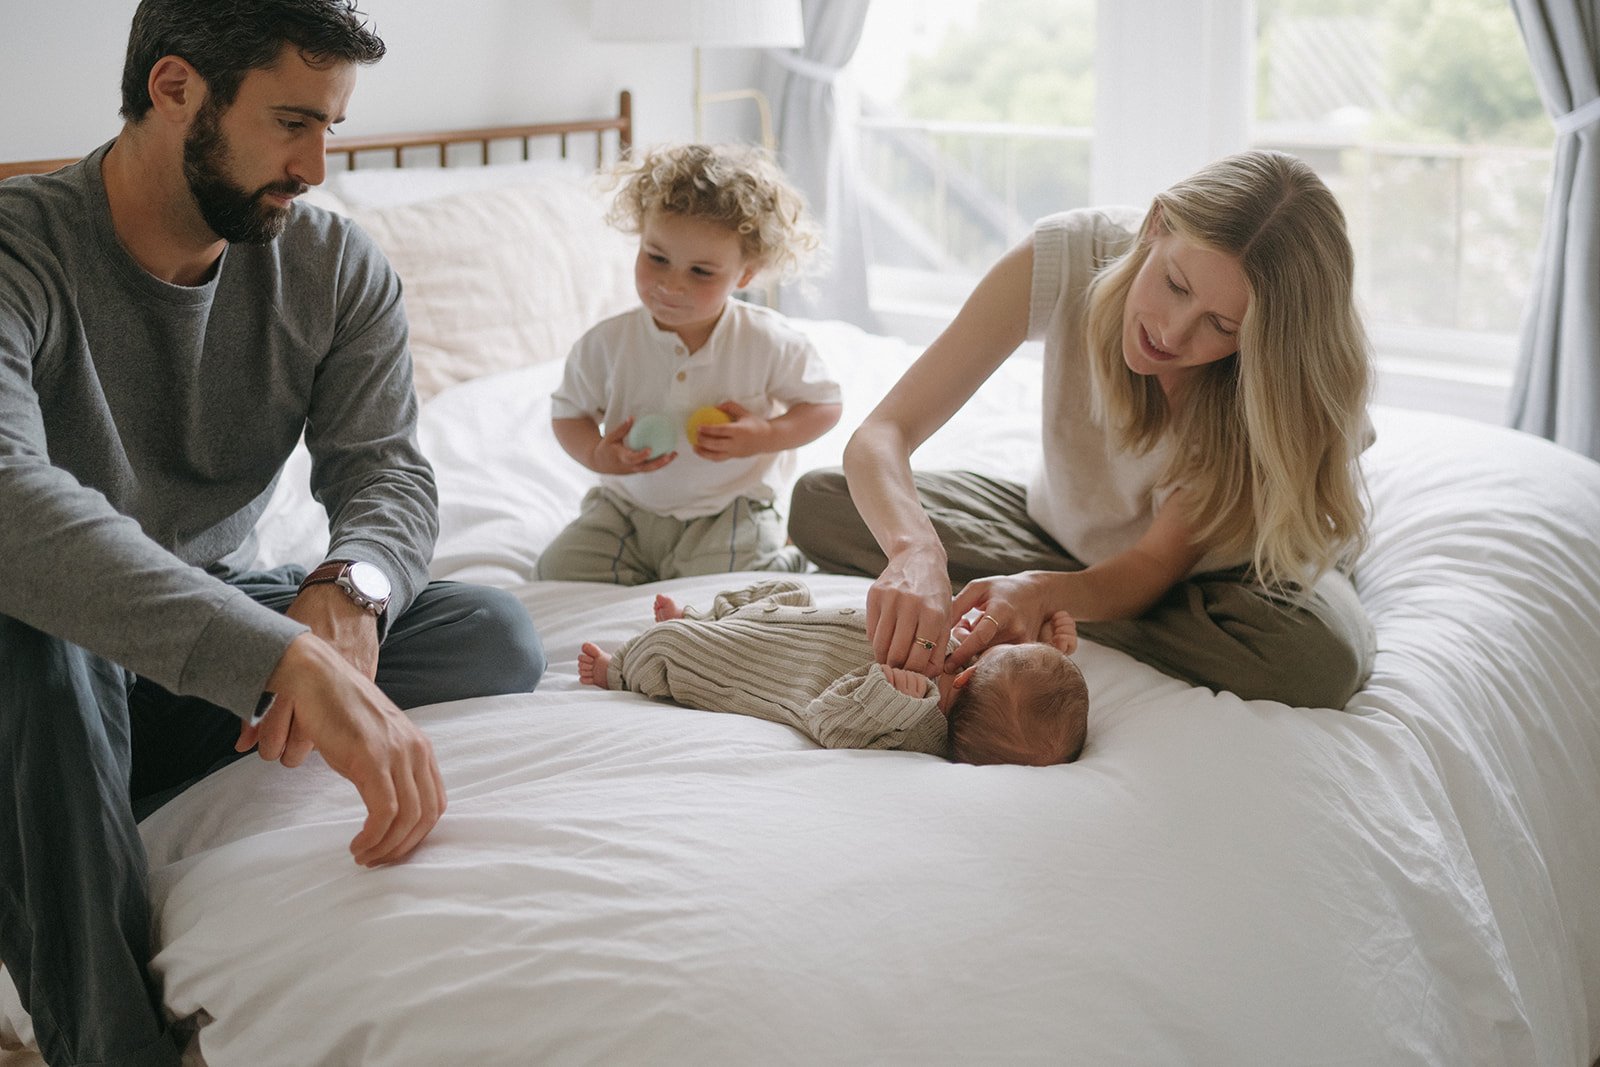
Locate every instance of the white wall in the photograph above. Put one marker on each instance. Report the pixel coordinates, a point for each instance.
(1174, 88)
(450, 64)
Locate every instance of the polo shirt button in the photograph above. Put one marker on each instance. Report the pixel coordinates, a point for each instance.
(682, 375)
(680, 351)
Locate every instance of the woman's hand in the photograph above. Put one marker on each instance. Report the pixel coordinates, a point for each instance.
(908, 610)
(1013, 608)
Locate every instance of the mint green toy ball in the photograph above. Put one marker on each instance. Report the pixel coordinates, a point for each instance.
(657, 433)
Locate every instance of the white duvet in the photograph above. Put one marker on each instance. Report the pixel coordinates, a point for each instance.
(1412, 880)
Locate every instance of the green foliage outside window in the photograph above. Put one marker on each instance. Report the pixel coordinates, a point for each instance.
(1422, 114)
(1450, 71)
(1023, 61)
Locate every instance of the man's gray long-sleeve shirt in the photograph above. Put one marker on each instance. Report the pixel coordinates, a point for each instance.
(143, 426)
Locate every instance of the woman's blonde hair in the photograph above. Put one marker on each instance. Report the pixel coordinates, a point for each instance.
(1267, 441)
(736, 186)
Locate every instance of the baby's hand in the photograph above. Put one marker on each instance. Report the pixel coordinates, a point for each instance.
(1060, 630)
(612, 455)
(910, 683)
(746, 435)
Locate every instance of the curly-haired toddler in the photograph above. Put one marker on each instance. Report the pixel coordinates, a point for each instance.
(685, 404)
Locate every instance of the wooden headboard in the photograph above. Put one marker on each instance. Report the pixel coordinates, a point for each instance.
(357, 151)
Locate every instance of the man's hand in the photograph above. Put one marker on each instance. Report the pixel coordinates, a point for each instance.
(324, 703)
(351, 630)
(347, 626)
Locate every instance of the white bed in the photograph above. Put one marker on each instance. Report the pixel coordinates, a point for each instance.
(1414, 879)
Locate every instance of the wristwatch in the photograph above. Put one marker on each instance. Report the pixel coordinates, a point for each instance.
(361, 581)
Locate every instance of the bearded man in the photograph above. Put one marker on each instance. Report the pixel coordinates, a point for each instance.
(171, 324)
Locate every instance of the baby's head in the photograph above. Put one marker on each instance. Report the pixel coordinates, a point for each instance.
(736, 188)
(1024, 704)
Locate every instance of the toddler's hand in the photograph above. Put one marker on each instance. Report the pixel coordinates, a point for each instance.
(746, 435)
(612, 455)
(910, 683)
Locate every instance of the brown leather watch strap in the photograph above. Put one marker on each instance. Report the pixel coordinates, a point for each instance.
(327, 572)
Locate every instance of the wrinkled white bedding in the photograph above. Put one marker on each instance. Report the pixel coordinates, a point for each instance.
(1411, 880)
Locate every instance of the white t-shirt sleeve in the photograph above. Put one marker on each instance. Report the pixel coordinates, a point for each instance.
(799, 374)
(585, 384)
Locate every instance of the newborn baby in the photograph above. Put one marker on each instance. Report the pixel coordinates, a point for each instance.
(768, 651)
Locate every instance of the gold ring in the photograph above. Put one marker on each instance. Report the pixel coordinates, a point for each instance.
(925, 643)
(991, 618)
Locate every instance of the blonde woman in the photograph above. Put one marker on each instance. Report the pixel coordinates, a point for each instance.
(1205, 381)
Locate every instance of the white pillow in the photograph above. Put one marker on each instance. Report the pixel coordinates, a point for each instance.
(294, 527)
(505, 277)
(506, 487)
(393, 186)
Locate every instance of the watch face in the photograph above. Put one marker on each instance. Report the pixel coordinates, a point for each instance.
(369, 581)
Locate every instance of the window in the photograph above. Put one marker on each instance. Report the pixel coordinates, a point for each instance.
(1422, 115)
(975, 121)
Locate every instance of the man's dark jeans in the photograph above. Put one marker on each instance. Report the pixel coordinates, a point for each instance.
(87, 748)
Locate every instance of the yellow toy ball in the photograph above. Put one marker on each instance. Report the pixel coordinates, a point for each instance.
(704, 417)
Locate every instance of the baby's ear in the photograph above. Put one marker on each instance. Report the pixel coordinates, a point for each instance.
(751, 269)
(960, 680)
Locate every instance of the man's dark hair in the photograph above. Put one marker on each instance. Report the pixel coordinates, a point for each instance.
(226, 39)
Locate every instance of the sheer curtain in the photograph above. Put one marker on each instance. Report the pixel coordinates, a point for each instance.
(1557, 389)
(818, 151)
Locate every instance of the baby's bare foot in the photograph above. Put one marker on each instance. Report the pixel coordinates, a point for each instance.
(593, 666)
(667, 608)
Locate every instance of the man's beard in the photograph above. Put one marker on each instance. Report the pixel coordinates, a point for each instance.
(232, 213)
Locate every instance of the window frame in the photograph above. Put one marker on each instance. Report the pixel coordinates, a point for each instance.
(1175, 89)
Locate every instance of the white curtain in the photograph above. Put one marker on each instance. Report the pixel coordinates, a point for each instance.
(813, 106)
(1557, 389)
